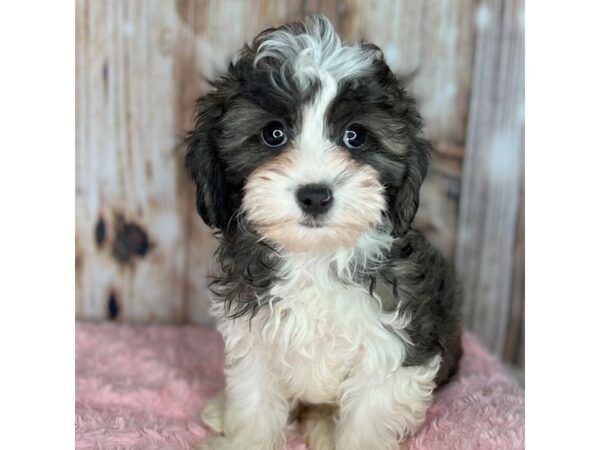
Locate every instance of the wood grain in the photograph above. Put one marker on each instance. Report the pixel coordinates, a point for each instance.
(125, 174)
(142, 252)
(493, 170)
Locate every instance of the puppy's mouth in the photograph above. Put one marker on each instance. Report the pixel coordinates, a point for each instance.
(311, 222)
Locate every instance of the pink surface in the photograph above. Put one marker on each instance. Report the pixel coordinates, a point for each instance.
(142, 387)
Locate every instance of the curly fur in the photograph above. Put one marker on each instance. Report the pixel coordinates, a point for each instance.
(356, 311)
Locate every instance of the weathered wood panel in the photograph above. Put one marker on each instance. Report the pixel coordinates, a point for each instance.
(140, 66)
(130, 236)
(491, 192)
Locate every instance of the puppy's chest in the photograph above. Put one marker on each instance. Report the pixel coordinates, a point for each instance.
(313, 338)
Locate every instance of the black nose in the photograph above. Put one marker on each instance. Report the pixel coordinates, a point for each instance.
(314, 199)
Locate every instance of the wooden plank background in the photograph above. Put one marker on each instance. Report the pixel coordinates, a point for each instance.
(142, 253)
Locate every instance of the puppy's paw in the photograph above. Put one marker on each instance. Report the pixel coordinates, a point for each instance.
(214, 412)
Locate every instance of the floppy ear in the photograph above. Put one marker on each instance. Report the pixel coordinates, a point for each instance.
(213, 193)
(406, 202)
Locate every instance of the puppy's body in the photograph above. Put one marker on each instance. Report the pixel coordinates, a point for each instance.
(324, 294)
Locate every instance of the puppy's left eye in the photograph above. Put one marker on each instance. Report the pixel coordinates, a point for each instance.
(355, 136)
(273, 135)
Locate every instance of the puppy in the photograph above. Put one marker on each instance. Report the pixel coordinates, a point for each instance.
(308, 157)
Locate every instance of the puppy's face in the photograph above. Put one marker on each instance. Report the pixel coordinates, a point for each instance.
(309, 142)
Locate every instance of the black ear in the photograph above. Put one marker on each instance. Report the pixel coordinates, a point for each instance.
(406, 202)
(213, 195)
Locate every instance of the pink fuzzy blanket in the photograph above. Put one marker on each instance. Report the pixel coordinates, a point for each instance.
(142, 387)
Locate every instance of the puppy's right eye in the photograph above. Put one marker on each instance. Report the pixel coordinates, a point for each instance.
(354, 136)
(273, 134)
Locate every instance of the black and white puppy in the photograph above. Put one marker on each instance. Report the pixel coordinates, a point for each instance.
(308, 157)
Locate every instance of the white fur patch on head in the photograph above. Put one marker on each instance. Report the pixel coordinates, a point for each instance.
(315, 50)
(314, 54)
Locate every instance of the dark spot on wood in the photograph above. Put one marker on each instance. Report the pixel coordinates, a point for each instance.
(131, 240)
(100, 232)
(105, 78)
(149, 173)
(78, 257)
(453, 192)
(113, 306)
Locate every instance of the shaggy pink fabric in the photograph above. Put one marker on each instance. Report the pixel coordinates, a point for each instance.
(142, 387)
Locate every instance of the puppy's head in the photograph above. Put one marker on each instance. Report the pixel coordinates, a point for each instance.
(309, 142)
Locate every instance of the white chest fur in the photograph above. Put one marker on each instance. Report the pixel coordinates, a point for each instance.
(313, 339)
(316, 332)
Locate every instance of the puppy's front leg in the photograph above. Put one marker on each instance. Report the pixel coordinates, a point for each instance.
(379, 410)
(255, 410)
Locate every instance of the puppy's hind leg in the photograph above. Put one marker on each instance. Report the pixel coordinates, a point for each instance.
(319, 426)
(213, 413)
